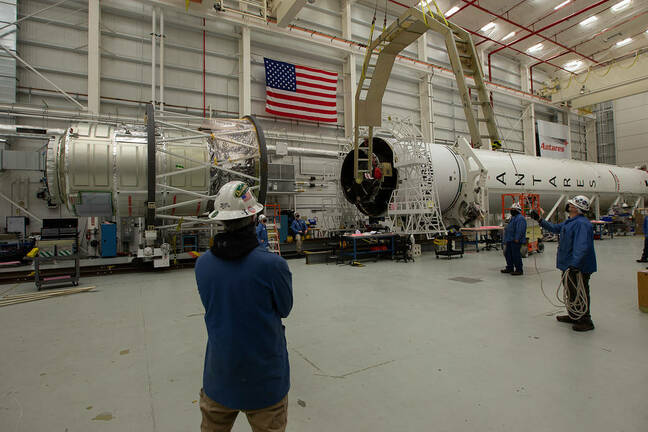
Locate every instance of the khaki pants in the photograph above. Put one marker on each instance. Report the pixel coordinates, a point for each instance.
(218, 418)
(298, 242)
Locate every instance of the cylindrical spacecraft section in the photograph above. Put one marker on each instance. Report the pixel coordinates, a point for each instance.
(550, 178)
(100, 170)
(506, 173)
(372, 197)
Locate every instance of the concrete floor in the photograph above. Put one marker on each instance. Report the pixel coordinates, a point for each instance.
(387, 347)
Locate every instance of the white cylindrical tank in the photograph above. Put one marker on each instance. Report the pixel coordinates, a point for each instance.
(550, 178)
(101, 170)
(506, 173)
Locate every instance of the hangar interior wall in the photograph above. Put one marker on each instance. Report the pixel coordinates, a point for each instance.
(56, 43)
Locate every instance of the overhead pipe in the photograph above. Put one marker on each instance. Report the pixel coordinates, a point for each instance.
(505, 13)
(538, 32)
(605, 30)
(474, 33)
(22, 129)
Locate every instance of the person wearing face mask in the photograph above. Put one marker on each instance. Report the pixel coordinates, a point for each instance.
(514, 238)
(576, 259)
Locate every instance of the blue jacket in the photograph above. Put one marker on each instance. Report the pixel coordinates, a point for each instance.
(246, 362)
(298, 225)
(516, 229)
(262, 234)
(576, 247)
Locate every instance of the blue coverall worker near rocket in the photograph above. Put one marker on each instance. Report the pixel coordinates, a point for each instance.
(514, 239)
(575, 256)
(246, 291)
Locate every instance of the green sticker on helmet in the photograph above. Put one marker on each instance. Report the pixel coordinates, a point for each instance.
(240, 190)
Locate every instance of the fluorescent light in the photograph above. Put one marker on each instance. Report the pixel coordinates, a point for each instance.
(563, 4)
(624, 42)
(573, 65)
(589, 20)
(536, 47)
(620, 6)
(488, 26)
(452, 11)
(510, 35)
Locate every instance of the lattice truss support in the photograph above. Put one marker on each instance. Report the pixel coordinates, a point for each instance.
(414, 207)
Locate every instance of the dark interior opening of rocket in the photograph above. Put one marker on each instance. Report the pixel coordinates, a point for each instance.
(371, 196)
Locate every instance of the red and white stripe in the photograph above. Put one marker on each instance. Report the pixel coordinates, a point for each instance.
(314, 100)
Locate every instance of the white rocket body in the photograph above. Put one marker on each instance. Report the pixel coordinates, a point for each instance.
(550, 178)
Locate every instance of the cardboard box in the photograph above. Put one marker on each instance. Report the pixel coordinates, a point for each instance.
(642, 289)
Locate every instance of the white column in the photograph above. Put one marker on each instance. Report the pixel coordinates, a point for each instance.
(153, 59)
(94, 56)
(426, 101)
(590, 139)
(528, 117)
(529, 130)
(567, 121)
(162, 60)
(350, 73)
(245, 93)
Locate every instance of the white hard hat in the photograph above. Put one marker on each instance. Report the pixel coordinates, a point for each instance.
(580, 201)
(234, 201)
(516, 206)
(624, 205)
(262, 217)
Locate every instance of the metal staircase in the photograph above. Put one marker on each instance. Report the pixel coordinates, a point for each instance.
(379, 61)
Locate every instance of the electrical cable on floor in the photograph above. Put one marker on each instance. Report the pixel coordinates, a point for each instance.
(576, 308)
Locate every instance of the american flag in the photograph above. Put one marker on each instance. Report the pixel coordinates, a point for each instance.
(300, 92)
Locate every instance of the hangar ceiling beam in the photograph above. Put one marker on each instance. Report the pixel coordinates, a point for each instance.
(619, 79)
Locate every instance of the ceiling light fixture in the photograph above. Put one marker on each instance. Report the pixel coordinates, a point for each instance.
(453, 10)
(488, 26)
(563, 4)
(508, 36)
(589, 20)
(620, 6)
(535, 48)
(624, 42)
(573, 65)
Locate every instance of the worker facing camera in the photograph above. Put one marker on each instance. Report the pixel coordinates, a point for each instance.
(514, 239)
(576, 259)
(299, 230)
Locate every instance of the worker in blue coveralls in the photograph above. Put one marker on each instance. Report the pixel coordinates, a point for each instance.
(644, 255)
(576, 259)
(246, 291)
(514, 239)
(262, 231)
(299, 230)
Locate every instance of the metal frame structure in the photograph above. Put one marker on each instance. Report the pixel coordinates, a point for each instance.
(379, 60)
(414, 206)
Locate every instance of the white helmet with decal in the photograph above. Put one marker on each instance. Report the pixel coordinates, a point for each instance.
(516, 206)
(581, 202)
(234, 201)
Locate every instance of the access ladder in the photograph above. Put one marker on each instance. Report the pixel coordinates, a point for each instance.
(273, 213)
(376, 69)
